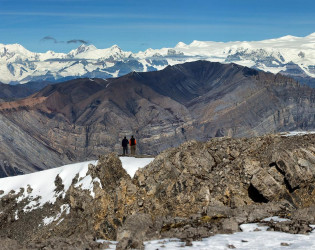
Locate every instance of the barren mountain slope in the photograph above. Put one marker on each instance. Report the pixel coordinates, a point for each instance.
(81, 119)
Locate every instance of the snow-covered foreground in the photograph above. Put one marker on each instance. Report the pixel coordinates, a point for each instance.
(242, 240)
(40, 186)
(253, 236)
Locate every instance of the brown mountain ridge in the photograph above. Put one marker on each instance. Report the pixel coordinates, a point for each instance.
(81, 119)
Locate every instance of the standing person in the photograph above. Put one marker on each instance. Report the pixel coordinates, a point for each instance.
(132, 143)
(124, 144)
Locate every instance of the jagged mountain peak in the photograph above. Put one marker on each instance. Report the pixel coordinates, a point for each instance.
(115, 47)
(15, 49)
(180, 45)
(82, 49)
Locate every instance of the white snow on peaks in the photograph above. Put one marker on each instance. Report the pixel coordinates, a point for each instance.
(180, 45)
(90, 52)
(40, 187)
(81, 49)
(12, 50)
(20, 64)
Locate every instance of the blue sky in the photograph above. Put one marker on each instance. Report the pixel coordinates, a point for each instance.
(62, 25)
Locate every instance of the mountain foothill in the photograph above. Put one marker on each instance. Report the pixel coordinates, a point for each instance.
(83, 118)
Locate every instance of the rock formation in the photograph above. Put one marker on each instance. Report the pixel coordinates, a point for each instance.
(193, 191)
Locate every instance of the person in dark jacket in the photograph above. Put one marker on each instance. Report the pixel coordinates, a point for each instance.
(132, 143)
(124, 144)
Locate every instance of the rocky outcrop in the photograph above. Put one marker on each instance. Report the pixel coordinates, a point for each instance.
(190, 192)
(229, 172)
(137, 228)
(76, 211)
(101, 213)
(201, 189)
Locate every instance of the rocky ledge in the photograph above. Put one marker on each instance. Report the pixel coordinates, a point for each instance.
(190, 192)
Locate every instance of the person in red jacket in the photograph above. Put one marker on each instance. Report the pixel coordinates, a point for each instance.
(132, 143)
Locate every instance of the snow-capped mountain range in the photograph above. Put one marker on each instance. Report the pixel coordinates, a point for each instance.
(288, 55)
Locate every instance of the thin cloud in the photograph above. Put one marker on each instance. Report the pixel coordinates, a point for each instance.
(54, 40)
(49, 38)
(77, 41)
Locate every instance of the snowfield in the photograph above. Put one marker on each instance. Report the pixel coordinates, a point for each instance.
(252, 237)
(247, 239)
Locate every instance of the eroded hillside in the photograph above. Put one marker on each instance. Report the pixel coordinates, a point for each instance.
(81, 119)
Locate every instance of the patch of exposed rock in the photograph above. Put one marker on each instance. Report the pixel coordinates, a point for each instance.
(190, 192)
(294, 226)
(101, 215)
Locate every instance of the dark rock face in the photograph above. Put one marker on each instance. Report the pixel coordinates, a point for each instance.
(84, 118)
(12, 92)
